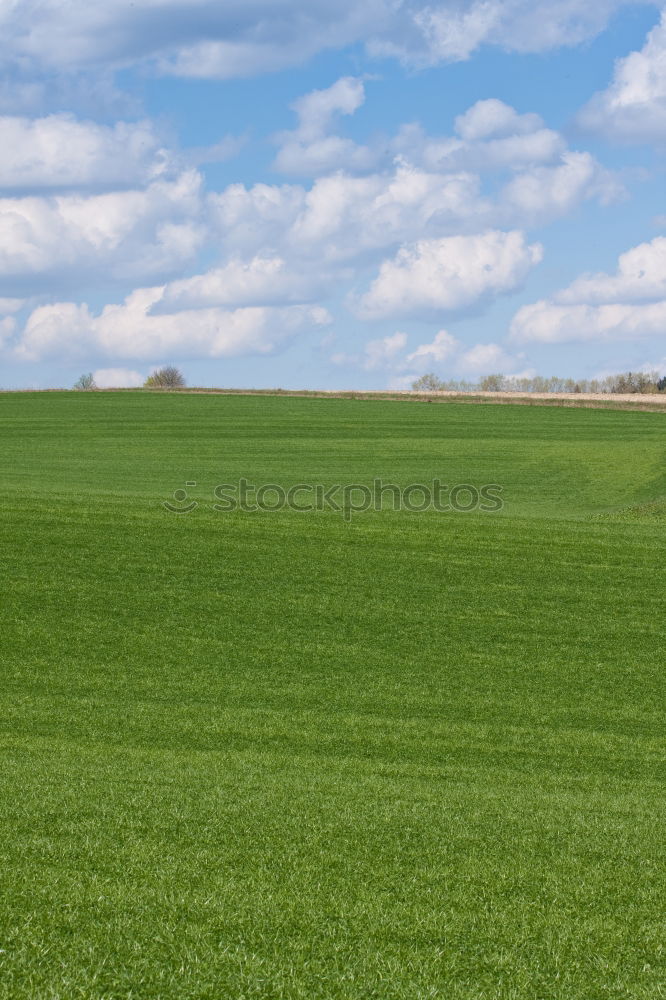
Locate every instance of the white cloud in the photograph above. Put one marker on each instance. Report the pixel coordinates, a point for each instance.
(640, 275)
(449, 275)
(384, 351)
(448, 357)
(450, 32)
(508, 153)
(130, 330)
(59, 152)
(347, 215)
(316, 109)
(279, 245)
(263, 280)
(122, 235)
(258, 36)
(633, 107)
(118, 378)
(628, 304)
(485, 359)
(247, 37)
(480, 359)
(342, 217)
(10, 305)
(493, 119)
(309, 150)
(7, 330)
(148, 233)
(548, 323)
(491, 135)
(441, 348)
(453, 36)
(541, 194)
(322, 156)
(93, 93)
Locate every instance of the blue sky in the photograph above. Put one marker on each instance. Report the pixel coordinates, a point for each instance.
(317, 194)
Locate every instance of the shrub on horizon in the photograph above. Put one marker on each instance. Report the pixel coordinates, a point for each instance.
(428, 383)
(168, 377)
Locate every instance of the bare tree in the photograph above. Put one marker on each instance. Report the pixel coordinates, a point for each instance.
(85, 382)
(492, 383)
(168, 377)
(428, 383)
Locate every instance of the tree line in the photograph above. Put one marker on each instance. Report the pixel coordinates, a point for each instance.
(170, 377)
(624, 382)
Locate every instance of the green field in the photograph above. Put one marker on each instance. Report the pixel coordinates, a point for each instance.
(282, 755)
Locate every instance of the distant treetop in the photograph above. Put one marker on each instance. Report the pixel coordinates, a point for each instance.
(168, 377)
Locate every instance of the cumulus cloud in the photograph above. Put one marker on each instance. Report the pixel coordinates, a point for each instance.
(549, 323)
(347, 215)
(120, 235)
(451, 32)
(284, 245)
(640, 275)
(628, 304)
(118, 378)
(541, 194)
(633, 107)
(262, 280)
(449, 275)
(440, 349)
(131, 330)
(384, 351)
(237, 38)
(310, 149)
(444, 355)
(246, 37)
(486, 359)
(341, 217)
(493, 135)
(460, 359)
(29, 88)
(10, 306)
(268, 235)
(316, 109)
(490, 136)
(493, 119)
(59, 152)
(7, 329)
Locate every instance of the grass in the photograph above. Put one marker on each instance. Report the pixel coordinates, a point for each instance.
(282, 756)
